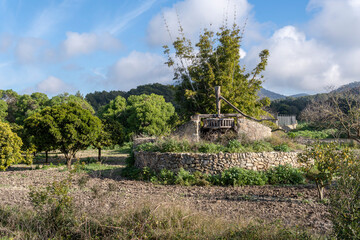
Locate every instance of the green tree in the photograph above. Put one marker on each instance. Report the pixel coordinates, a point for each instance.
(148, 114)
(216, 63)
(10, 147)
(322, 162)
(26, 105)
(3, 110)
(112, 116)
(10, 97)
(99, 99)
(68, 127)
(67, 98)
(104, 139)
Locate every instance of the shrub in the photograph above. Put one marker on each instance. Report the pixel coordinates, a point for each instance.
(235, 146)
(345, 201)
(10, 148)
(239, 177)
(172, 145)
(211, 148)
(285, 174)
(55, 208)
(282, 148)
(322, 161)
(261, 146)
(147, 147)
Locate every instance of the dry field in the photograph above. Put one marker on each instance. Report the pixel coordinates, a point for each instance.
(105, 191)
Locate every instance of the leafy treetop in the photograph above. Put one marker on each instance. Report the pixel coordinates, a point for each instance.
(216, 62)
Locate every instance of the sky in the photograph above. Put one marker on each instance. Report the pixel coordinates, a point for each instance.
(57, 46)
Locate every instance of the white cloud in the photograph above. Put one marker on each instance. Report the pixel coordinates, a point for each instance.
(336, 21)
(28, 50)
(298, 64)
(139, 68)
(53, 86)
(85, 43)
(195, 15)
(6, 41)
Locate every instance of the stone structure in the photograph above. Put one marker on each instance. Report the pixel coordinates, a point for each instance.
(214, 163)
(253, 130)
(189, 130)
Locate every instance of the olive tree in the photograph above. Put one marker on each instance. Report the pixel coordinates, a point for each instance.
(66, 127)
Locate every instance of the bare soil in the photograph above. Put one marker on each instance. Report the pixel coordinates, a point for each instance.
(105, 192)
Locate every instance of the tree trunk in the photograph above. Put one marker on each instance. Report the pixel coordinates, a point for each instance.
(320, 188)
(99, 155)
(68, 161)
(46, 157)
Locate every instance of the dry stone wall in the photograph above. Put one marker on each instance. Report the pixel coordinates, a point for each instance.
(214, 163)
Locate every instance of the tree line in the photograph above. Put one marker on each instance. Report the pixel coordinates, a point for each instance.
(69, 123)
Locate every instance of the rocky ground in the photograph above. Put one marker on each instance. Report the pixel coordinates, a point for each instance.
(105, 191)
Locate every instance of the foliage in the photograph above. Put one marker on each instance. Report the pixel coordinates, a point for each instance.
(308, 130)
(113, 110)
(68, 98)
(285, 174)
(167, 91)
(10, 97)
(67, 127)
(205, 147)
(322, 162)
(55, 206)
(282, 148)
(149, 115)
(3, 110)
(345, 200)
(233, 146)
(261, 146)
(216, 62)
(99, 99)
(10, 148)
(26, 105)
(340, 111)
(239, 177)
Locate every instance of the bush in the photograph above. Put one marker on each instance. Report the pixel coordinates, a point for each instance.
(322, 162)
(345, 201)
(234, 146)
(211, 148)
(282, 148)
(285, 174)
(239, 177)
(185, 178)
(10, 147)
(55, 208)
(172, 145)
(261, 146)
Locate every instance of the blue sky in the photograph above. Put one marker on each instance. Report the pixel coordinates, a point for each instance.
(57, 46)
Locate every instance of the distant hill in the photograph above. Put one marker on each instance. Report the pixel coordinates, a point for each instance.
(299, 95)
(347, 87)
(272, 95)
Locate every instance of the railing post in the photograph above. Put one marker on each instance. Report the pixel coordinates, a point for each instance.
(217, 94)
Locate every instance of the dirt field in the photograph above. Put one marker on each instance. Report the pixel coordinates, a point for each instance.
(106, 191)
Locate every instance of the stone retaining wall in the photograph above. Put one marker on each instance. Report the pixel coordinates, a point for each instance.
(214, 163)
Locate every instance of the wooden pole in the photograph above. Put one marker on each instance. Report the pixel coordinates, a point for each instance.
(218, 99)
